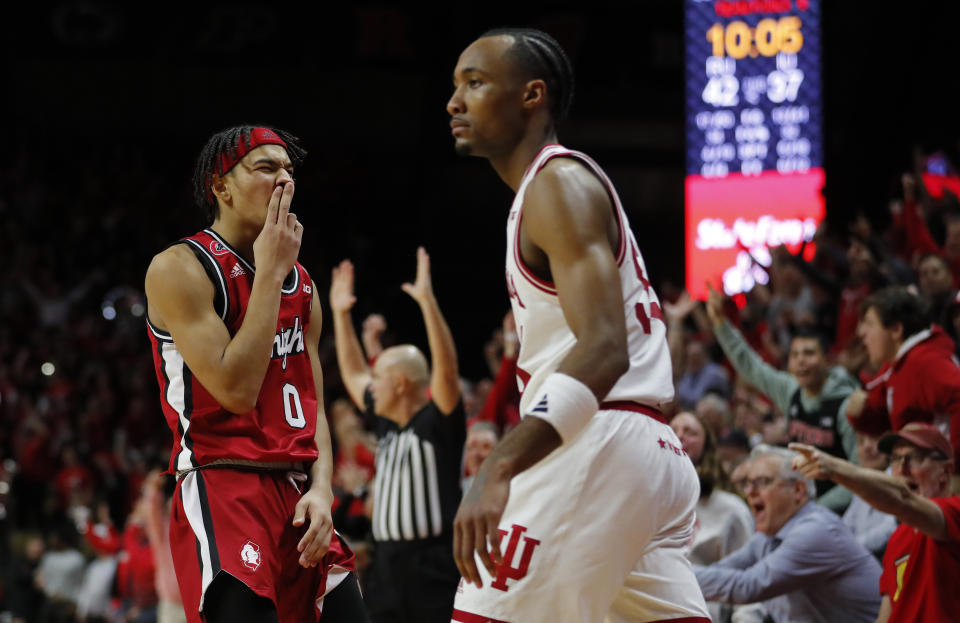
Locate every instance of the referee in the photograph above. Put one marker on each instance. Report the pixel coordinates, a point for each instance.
(419, 421)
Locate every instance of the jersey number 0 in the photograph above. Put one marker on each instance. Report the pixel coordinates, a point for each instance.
(293, 415)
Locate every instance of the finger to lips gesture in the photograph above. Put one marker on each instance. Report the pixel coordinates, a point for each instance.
(475, 526)
(422, 288)
(276, 248)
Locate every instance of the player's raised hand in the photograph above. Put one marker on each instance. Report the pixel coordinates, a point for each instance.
(314, 507)
(813, 463)
(341, 287)
(475, 526)
(715, 306)
(276, 249)
(421, 290)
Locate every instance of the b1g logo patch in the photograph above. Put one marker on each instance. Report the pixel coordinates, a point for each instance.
(507, 570)
(218, 249)
(250, 555)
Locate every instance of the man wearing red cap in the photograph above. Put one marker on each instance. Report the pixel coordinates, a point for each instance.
(922, 563)
(234, 321)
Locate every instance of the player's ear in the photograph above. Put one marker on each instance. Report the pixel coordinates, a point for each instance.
(219, 188)
(534, 94)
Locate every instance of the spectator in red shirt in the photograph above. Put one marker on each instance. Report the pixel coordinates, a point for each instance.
(502, 404)
(918, 378)
(922, 561)
(936, 286)
(74, 477)
(919, 240)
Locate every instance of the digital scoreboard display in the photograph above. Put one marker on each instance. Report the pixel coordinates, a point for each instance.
(754, 142)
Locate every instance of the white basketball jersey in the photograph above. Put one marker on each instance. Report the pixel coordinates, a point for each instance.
(545, 337)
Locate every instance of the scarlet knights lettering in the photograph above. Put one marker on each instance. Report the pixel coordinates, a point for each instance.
(506, 570)
(288, 341)
(804, 433)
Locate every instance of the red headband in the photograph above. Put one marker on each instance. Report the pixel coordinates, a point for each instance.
(225, 162)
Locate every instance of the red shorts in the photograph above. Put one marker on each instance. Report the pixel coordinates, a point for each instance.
(240, 522)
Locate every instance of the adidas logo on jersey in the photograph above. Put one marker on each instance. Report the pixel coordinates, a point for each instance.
(288, 342)
(541, 406)
(237, 271)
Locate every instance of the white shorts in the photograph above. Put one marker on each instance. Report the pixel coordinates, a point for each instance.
(596, 530)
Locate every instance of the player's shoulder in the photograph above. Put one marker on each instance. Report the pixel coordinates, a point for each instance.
(566, 190)
(176, 257)
(177, 266)
(565, 172)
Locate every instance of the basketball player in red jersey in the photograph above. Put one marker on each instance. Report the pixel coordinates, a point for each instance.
(582, 512)
(235, 322)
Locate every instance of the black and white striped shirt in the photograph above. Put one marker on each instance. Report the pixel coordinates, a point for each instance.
(417, 485)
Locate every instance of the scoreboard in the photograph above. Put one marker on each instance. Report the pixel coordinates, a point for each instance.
(754, 137)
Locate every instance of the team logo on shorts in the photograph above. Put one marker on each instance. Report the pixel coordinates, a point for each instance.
(250, 555)
(218, 249)
(507, 570)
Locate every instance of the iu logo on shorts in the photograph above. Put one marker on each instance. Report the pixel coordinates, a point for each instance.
(506, 570)
(250, 555)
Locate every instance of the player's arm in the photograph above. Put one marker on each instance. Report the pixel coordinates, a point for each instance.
(567, 213)
(444, 375)
(354, 369)
(881, 491)
(316, 503)
(181, 296)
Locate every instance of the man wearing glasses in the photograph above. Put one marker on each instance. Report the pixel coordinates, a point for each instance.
(921, 566)
(802, 563)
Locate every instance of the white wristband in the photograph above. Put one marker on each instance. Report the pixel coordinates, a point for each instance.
(566, 403)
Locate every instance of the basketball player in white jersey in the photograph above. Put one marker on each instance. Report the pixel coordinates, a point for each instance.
(582, 512)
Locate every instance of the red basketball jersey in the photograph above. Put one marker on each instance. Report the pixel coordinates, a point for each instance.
(282, 424)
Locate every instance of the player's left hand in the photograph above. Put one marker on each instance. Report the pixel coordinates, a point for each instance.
(421, 290)
(314, 506)
(475, 526)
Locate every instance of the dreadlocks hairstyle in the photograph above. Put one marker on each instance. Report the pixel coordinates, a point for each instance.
(227, 142)
(540, 56)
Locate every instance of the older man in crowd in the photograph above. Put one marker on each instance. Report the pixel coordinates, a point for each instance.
(802, 562)
(921, 566)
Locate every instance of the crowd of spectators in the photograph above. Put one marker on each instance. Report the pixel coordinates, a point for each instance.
(832, 353)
